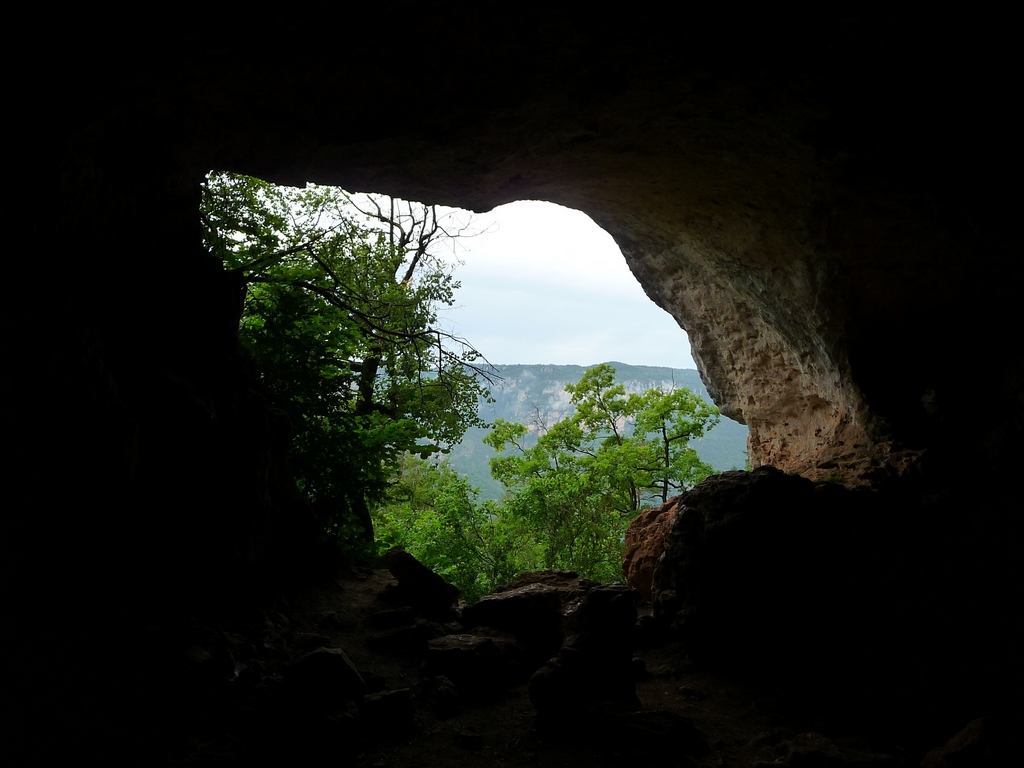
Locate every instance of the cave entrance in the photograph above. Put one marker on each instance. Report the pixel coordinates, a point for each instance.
(366, 315)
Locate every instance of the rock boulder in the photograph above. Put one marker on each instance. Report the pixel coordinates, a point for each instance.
(645, 541)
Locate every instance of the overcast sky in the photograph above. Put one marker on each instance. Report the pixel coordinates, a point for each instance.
(545, 284)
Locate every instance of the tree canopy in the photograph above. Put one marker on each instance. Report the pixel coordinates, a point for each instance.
(588, 475)
(433, 512)
(340, 314)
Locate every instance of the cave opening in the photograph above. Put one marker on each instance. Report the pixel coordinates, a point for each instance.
(798, 192)
(357, 308)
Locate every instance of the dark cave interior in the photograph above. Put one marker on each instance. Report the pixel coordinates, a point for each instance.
(820, 203)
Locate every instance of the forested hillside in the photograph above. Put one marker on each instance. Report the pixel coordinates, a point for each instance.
(532, 394)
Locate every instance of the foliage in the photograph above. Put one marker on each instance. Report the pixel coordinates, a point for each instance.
(432, 511)
(667, 422)
(589, 475)
(339, 313)
(533, 389)
(570, 495)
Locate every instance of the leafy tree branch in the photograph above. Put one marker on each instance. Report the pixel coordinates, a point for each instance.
(340, 315)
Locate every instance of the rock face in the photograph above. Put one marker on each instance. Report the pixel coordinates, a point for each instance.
(533, 613)
(645, 541)
(985, 742)
(325, 677)
(738, 543)
(844, 593)
(420, 587)
(478, 665)
(595, 664)
(815, 749)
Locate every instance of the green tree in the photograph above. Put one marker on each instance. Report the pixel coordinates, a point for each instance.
(432, 511)
(641, 440)
(339, 312)
(666, 422)
(589, 475)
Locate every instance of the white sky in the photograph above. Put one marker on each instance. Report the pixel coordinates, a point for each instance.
(545, 284)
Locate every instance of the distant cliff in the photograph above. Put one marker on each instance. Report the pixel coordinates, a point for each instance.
(528, 393)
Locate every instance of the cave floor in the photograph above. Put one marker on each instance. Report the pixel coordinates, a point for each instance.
(242, 722)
